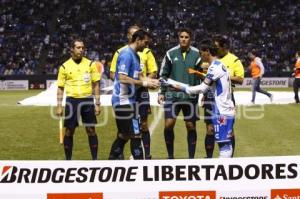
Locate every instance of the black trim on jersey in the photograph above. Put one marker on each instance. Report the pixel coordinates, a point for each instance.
(148, 51)
(63, 66)
(236, 60)
(91, 63)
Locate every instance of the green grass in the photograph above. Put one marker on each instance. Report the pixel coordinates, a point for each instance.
(30, 133)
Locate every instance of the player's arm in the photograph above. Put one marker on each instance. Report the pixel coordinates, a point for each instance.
(151, 65)
(61, 79)
(113, 65)
(202, 88)
(124, 65)
(238, 76)
(96, 87)
(200, 69)
(142, 81)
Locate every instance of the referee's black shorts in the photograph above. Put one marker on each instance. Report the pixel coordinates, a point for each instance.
(79, 107)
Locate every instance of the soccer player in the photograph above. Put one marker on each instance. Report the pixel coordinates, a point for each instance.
(217, 79)
(296, 73)
(175, 65)
(127, 78)
(79, 77)
(236, 71)
(149, 68)
(257, 71)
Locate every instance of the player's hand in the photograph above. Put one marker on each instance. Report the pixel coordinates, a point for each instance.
(191, 71)
(151, 83)
(198, 73)
(161, 99)
(97, 109)
(59, 111)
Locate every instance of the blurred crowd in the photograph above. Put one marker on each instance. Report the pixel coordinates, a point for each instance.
(34, 35)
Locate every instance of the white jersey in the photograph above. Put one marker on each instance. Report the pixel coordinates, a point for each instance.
(218, 75)
(221, 87)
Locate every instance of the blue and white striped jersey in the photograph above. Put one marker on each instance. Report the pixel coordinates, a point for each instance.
(128, 63)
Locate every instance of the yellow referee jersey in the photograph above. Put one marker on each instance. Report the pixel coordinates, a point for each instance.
(233, 64)
(77, 79)
(148, 63)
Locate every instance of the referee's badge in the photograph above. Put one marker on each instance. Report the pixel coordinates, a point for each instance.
(86, 77)
(142, 66)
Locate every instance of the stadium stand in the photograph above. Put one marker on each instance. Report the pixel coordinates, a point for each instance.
(34, 34)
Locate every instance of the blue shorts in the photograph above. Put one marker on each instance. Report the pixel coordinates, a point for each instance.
(223, 126)
(189, 109)
(143, 102)
(79, 107)
(127, 119)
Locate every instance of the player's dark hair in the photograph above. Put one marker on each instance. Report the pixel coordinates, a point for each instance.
(72, 43)
(187, 30)
(208, 45)
(139, 34)
(223, 41)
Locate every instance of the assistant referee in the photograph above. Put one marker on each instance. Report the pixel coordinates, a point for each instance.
(78, 76)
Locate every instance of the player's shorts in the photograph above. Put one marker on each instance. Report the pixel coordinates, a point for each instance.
(143, 102)
(127, 119)
(189, 109)
(208, 107)
(79, 107)
(223, 126)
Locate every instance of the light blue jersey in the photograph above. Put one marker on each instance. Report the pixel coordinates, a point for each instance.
(128, 63)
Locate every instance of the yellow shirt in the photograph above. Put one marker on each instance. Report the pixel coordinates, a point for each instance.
(77, 79)
(147, 61)
(233, 64)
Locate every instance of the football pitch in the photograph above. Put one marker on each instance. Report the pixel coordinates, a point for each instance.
(31, 133)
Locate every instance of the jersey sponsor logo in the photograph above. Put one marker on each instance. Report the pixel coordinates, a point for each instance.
(74, 196)
(187, 195)
(285, 194)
